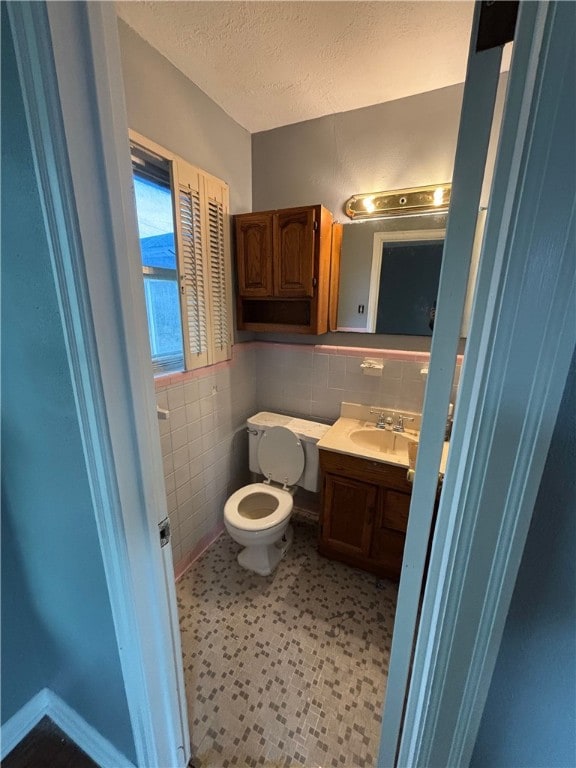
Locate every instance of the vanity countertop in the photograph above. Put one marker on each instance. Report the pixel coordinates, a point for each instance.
(359, 437)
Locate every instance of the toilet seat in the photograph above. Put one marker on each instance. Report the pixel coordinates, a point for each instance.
(233, 507)
(281, 456)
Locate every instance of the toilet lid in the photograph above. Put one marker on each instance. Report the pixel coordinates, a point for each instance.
(281, 455)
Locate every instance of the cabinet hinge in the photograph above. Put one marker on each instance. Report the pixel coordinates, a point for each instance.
(315, 226)
(164, 528)
(314, 282)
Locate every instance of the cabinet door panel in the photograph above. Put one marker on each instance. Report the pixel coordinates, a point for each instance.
(395, 510)
(387, 550)
(349, 508)
(294, 252)
(387, 545)
(254, 238)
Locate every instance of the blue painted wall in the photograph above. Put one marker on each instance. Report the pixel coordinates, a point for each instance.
(57, 628)
(530, 716)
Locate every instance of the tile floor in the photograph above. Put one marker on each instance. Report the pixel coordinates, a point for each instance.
(289, 669)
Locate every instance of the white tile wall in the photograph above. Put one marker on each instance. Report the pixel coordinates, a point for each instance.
(308, 381)
(204, 441)
(204, 445)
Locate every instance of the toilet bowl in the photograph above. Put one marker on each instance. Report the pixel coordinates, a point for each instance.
(257, 516)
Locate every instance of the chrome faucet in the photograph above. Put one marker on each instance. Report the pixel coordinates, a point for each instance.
(381, 423)
(399, 426)
(384, 422)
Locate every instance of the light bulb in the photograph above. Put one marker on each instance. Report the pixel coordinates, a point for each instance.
(369, 204)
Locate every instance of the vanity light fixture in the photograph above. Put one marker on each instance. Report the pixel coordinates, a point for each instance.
(400, 202)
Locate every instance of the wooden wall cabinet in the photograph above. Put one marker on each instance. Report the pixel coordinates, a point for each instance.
(287, 264)
(364, 513)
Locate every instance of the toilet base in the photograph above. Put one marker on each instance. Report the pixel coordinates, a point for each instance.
(264, 558)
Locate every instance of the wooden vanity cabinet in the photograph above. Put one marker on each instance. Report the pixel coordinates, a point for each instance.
(364, 513)
(287, 265)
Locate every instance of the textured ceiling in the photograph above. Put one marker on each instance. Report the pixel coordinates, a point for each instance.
(269, 64)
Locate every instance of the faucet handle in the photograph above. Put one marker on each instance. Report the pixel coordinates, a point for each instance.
(402, 420)
(384, 422)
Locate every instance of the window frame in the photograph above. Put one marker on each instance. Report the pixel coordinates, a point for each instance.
(147, 166)
(214, 318)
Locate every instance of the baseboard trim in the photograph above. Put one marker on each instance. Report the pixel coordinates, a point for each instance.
(22, 722)
(183, 565)
(87, 738)
(84, 735)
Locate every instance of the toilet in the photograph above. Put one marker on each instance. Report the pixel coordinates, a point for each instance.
(257, 516)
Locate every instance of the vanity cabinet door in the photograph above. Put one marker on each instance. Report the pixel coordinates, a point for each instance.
(348, 512)
(294, 231)
(365, 508)
(388, 534)
(254, 245)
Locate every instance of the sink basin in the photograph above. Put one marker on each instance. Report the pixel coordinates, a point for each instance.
(384, 440)
(352, 434)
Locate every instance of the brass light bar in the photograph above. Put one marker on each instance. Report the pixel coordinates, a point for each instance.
(400, 202)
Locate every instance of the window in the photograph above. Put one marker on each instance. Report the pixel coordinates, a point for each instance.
(184, 242)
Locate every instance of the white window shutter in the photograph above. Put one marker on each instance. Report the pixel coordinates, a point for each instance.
(219, 269)
(194, 280)
(202, 225)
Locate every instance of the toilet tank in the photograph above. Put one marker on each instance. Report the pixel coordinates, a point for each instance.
(309, 433)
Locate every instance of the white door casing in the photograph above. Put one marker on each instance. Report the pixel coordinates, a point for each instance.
(471, 152)
(522, 338)
(69, 64)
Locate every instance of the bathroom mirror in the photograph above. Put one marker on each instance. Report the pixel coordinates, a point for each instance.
(389, 275)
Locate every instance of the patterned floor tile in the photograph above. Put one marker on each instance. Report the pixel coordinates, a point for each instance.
(285, 670)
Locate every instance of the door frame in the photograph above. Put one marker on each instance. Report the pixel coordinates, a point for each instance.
(70, 72)
(475, 128)
(522, 340)
(521, 343)
(379, 240)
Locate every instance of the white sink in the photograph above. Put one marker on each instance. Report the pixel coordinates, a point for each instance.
(382, 440)
(358, 437)
(355, 435)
